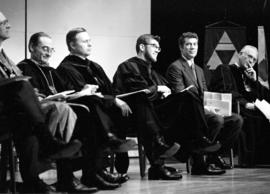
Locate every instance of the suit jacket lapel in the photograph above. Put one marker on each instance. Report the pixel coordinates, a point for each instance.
(199, 79)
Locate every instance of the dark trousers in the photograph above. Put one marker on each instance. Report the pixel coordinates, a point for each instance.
(21, 106)
(254, 138)
(224, 129)
(182, 116)
(104, 118)
(179, 117)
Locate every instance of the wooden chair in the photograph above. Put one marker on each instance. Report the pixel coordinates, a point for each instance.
(7, 157)
(142, 157)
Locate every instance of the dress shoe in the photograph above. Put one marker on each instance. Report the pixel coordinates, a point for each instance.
(206, 170)
(173, 170)
(113, 177)
(37, 186)
(68, 150)
(204, 145)
(123, 177)
(161, 173)
(99, 182)
(161, 149)
(120, 145)
(75, 187)
(219, 162)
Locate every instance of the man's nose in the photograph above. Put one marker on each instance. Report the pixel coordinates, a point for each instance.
(8, 26)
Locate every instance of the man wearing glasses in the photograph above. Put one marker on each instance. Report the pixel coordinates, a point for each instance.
(241, 80)
(179, 117)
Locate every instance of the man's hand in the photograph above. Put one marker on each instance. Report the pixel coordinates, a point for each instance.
(89, 89)
(164, 90)
(250, 106)
(210, 109)
(147, 91)
(251, 74)
(125, 109)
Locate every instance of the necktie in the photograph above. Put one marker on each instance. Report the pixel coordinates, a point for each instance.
(193, 71)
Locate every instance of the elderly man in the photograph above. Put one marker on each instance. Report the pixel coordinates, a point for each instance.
(31, 133)
(181, 74)
(241, 80)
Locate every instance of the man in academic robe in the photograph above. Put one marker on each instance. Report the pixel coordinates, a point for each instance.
(240, 79)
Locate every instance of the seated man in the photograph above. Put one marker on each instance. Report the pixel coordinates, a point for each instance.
(31, 133)
(20, 105)
(240, 79)
(183, 73)
(178, 117)
(109, 111)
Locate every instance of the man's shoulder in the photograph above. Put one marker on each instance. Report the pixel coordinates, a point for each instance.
(66, 63)
(177, 64)
(26, 63)
(225, 67)
(129, 64)
(178, 61)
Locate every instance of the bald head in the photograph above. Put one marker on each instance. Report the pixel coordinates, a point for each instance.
(248, 56)
(4, 27)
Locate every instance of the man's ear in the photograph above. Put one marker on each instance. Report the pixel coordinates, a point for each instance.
(180, 48)
(31, 49)
(72, 45)
(142, 47)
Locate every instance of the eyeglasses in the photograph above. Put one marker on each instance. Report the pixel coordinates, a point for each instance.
(5, 22)
(154, 46)
(47, 49)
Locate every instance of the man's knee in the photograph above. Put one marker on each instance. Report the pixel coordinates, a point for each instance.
(237, 121)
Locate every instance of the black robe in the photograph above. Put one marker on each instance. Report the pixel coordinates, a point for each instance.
(76, 73)
(136, 74)
(256, 135)
(43, 78)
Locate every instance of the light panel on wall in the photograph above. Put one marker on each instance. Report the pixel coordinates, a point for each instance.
(113, 26)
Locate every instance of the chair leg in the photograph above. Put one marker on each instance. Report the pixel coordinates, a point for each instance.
(3, 166)
(142, 159)
(189, 163)
(112, 162)
(12, 167)
(231, 158)
(7, 159)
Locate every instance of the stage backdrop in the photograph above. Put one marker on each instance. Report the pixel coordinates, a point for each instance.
(221, 46)
(113, 26)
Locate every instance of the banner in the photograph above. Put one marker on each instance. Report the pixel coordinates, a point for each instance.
(221, 46)
(262, 58)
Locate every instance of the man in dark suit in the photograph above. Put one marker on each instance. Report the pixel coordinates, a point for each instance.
(183, 73)
(241, 80)
(179, 116)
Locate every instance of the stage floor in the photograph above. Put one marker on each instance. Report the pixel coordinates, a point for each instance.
(236, 181)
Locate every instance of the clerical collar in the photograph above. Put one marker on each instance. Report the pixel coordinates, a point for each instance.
(40, 64)
(73, 54)
(236, 64)
(190, 62)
